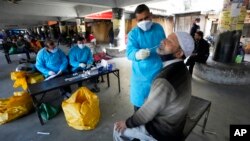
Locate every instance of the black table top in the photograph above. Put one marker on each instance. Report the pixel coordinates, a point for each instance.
(58, 82)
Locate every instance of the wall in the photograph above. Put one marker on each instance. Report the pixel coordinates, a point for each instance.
(184, 22)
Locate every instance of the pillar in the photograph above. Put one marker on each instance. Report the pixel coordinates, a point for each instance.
(62, 27)
(231, 22)
(118, 20)
(81, 29)
(51, 33)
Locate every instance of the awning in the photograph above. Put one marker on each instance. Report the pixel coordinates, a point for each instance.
(101, 15)
(52, 22)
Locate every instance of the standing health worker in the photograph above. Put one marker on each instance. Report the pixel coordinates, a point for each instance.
(143, 40)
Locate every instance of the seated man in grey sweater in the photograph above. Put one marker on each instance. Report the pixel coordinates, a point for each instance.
(162, 117)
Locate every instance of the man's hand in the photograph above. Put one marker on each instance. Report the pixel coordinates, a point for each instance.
(51, 73)
(120, 126)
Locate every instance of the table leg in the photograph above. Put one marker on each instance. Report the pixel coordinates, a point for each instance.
(205, 120)
(8, 58)
(28, 55)
(108, 80)
(119, 86)
(36, 105)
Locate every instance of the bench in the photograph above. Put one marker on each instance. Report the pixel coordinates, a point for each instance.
(197, 108)
(7, 56)
(6, 48)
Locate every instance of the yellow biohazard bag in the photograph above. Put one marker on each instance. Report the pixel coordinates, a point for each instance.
(34, 78)
(82, 110)
(14, 107)
(20, 79)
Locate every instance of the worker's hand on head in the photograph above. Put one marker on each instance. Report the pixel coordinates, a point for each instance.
(142, 54)
(82, 65)
(120, 126)
(51, 73)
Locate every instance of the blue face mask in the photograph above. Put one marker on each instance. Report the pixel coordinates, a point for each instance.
(54, 50)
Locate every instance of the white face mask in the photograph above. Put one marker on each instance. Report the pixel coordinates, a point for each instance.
(53, 50)
(81, 46)
(145, 25)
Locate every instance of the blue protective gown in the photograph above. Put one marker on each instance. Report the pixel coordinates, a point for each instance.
(47, 61)
(143, 71)
(77, 56)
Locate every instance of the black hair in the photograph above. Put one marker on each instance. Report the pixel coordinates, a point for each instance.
(141, 8)
(197, 19)
(48, 42)
(200, 33)
(80, 39)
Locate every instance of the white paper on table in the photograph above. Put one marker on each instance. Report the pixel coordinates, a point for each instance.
(235, 9)
(53, 76)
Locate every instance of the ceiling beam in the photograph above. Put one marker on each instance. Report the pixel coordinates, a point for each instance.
(123, 3)
(95, 3)
(86, 10)
(37, 9)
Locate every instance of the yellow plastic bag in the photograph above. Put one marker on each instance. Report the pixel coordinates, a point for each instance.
(34, 78)
(14, 107)
(20, 79)
(82, 110)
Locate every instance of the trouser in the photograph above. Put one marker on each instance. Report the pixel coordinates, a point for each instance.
(130, 134)
(191, 62)
(66, 91)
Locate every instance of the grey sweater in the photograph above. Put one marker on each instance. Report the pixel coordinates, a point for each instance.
(164, 112)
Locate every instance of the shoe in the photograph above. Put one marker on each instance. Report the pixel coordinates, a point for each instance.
(66, 95)
(96, 89)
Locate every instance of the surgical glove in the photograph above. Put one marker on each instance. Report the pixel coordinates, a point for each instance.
(82, 65)
(51, 73)
(142, 54)
(88, 66)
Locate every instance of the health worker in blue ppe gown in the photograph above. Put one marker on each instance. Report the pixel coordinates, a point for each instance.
(80, 56)
(51, 60)
(81, 59)
(143, 40)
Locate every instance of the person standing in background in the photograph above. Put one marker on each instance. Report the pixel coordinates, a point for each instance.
(195, 27)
